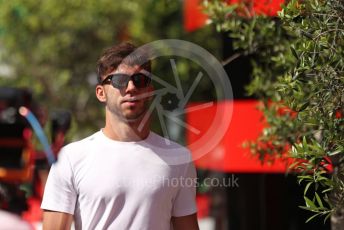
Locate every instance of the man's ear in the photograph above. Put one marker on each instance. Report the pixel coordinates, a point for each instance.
(100, 93)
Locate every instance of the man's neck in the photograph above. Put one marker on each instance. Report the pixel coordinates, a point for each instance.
(121, 130)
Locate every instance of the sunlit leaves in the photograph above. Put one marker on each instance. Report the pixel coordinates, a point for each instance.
(298, 64)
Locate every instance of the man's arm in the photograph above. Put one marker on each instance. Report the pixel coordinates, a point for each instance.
(57, 220)
(185, 222)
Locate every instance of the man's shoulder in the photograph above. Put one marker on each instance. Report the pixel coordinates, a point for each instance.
(80, 146)
(85, 141)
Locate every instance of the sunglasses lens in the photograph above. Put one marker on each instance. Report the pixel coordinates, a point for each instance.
(141, 80)
(120, 80)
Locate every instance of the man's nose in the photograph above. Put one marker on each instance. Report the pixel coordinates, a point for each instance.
(131, 86)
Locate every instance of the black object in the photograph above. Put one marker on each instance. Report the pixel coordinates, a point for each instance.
(11, 145)
(11, 99)
(60, 122)
(120, 80)
(12, 126)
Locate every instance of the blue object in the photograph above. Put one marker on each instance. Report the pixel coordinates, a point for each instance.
(25, 112)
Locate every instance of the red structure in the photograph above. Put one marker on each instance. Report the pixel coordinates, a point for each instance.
(194, 17)
(230, 155)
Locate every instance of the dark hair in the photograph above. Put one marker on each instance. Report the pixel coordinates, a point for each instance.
(113, 56)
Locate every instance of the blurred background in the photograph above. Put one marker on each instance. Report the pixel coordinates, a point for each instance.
(48, 54)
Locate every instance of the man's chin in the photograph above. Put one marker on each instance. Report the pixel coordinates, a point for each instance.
(134, 117)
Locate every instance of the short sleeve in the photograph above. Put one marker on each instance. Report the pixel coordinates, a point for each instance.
(60, 194)
(185, 200)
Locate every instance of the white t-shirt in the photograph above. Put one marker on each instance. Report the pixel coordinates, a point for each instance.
(109, 184)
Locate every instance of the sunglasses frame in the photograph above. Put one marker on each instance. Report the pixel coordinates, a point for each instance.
(109, 80)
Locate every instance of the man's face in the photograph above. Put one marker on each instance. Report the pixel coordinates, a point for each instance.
(126, 102)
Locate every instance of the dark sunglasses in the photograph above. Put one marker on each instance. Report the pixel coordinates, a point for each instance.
(121, 80)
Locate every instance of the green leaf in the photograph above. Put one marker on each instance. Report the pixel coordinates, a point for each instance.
(307, 187)
(319, 200)
(310, 203)
(304, 143)
(334, 152)
(293, 51)
(327, 216)
(306, 208)
(303, 107)
(312, 217)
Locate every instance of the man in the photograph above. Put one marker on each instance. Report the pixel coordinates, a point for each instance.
(119, 178)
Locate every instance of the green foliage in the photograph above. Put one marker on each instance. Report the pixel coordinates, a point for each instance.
(314, 88)
(53, 46)
(298, 75)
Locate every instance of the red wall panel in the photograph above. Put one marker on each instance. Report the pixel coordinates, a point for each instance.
(229, 154)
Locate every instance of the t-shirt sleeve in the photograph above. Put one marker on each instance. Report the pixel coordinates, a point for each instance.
(60, 194)
(185, 200)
